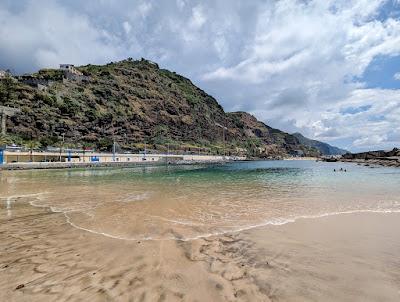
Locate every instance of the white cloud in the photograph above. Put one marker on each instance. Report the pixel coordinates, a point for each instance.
(294, 64)
(301, 64)
(198, 17)
(368, 141)
(292, 35)
(50, 35)
(396, 76)
(180, 4)
(144, 8)
(375, 126)
(127, 27)
(222, 47)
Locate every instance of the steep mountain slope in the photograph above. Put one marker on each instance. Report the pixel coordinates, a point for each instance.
(323, 148)
(132, 103)
(263, 140)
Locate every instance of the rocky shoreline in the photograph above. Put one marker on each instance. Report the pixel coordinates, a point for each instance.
(374, 158)
(384, 162)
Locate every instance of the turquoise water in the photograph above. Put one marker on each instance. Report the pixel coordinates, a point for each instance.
(185, 202)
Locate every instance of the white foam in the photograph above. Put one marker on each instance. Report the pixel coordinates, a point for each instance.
(135, 197)
(274, 222)
(106, 234)
(11, 199)
(283, 221)
(22, 196)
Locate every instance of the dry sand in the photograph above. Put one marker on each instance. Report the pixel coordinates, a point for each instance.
(351, 257)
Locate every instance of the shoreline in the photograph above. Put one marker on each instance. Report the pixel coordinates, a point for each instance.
(233, 232)
(84, 165)
(301, 158)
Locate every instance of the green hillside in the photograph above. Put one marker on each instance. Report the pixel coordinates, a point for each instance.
(134, 103)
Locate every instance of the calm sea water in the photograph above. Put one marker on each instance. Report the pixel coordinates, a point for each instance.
(184, 202)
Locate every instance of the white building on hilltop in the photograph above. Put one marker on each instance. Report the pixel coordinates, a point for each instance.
(70, 69)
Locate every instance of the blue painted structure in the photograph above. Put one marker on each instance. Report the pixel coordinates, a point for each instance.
(94, 158)
(1, 156)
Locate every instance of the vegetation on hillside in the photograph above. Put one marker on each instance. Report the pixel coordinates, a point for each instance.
(136, 104)
(323, 148)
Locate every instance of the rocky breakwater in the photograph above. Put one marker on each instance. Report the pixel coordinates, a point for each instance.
(381, 158)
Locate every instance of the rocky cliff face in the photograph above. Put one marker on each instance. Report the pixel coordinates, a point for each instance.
(264, 141)
(135, 102)
(323, 148)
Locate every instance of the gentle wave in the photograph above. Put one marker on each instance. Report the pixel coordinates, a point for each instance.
(274, 222)
(10, 199)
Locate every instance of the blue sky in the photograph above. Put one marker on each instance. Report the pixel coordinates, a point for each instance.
(328, 69)
(381, 72)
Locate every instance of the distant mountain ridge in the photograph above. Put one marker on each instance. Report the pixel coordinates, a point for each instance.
(322, 147)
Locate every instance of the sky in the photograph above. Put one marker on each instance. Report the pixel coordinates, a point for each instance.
(327, 69)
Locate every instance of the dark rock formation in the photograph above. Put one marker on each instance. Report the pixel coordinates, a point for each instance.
(380, 154)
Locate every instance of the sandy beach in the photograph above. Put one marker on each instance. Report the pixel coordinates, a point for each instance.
(350, 257)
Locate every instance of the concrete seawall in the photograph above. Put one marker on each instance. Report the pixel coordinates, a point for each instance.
(162, 161)
(61, 165)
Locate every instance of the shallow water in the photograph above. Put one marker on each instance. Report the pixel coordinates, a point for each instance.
(185, 202)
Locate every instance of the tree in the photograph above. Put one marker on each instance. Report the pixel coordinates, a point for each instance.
(7, 90)
(31, 145)
(160, 134)
(5, 140)
(252, 145)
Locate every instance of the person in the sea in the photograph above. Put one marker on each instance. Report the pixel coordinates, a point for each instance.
(334, 170)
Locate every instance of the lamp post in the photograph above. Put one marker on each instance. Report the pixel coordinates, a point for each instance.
(113, 150)
(223, 135)
(62, 145)
(145, 151)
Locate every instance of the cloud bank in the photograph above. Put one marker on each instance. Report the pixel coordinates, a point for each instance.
(297, 65)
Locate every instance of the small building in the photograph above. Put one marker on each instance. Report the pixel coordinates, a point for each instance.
(70, 68)
(73, 74)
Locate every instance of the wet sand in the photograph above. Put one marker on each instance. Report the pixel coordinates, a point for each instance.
(352, 257)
